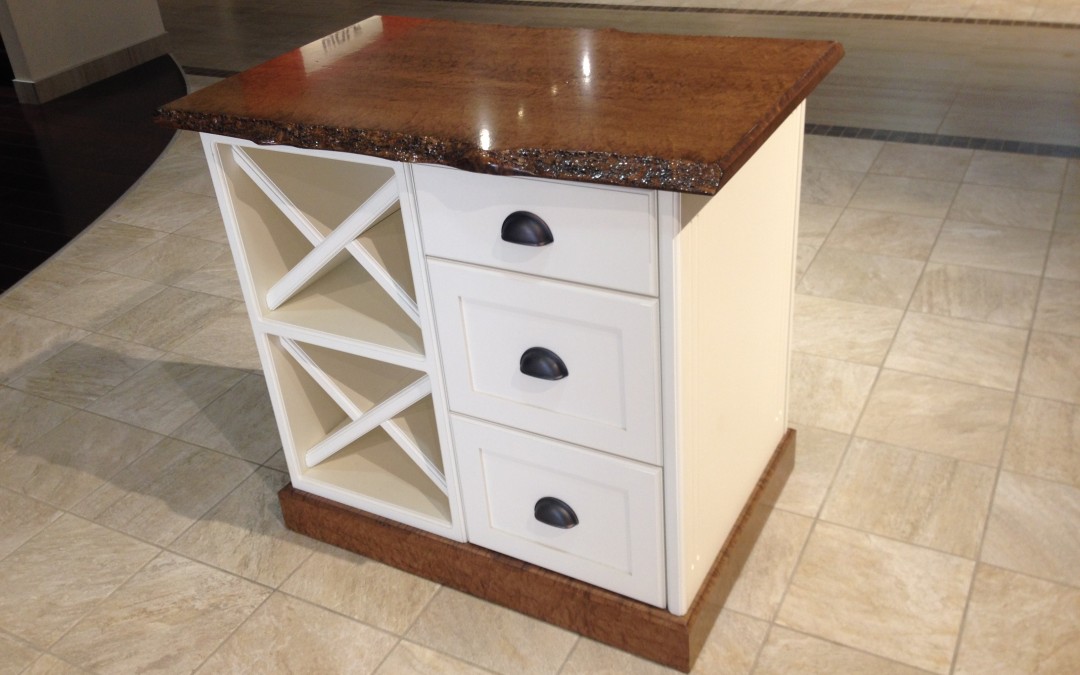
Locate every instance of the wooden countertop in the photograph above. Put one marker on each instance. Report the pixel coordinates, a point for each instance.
(677, 113)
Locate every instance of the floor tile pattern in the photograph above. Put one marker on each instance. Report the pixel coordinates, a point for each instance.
(931, 525)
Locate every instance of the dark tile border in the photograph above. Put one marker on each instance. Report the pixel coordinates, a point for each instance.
(774, 12)
(946, 141)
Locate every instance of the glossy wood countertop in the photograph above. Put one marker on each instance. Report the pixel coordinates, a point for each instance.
(677, 113)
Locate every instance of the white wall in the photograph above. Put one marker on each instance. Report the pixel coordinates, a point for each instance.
(47, 37)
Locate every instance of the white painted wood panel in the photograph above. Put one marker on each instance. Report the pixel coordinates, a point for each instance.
(603, 236)
(617, 543)
(730, 274)
(486, 319)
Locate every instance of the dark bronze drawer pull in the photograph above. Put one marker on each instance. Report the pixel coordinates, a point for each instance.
(555, 512)
(527, 229)
(543, 364)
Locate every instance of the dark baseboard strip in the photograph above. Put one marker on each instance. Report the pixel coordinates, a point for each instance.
(208, 72)
(777, 12)
(946, 141)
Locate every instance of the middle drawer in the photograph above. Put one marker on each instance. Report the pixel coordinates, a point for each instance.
(557, 359)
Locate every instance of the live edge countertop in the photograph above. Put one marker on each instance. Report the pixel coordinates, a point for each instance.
(666, 112)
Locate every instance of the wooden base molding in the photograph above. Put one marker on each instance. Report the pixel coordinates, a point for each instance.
(601, 615)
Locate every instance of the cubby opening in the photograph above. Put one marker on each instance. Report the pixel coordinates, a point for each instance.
(364, 291)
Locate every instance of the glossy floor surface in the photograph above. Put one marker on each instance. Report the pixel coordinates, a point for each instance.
(932, 524)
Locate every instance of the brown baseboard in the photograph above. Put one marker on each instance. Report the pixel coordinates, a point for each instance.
(606, 617)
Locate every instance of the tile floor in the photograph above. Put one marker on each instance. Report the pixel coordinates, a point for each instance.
(932, 524)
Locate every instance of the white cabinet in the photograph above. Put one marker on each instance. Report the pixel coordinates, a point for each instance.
(588, 378)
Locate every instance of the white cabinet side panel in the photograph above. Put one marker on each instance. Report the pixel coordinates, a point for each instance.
(733, 267)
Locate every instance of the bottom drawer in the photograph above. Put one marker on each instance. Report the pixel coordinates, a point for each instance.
(604, 515)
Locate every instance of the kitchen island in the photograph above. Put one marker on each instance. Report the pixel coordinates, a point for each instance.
(523, 302)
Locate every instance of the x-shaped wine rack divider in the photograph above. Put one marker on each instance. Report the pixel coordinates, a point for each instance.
(325, 251)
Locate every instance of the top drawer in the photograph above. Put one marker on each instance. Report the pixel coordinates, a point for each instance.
(602, 236)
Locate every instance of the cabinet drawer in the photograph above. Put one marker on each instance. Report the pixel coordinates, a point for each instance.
(509, 481)
(601, 236)
(491, 325)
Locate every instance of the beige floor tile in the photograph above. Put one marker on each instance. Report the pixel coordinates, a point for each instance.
(169, 318)
(246, 535)
(764, 578)
(832, 187)
(594, 658)
(28, 341)
(47, 664)
(240, 422)
(729, 649)
(1052, 368)
(20, 519)
(278, 462)
(1072, 178)
(922, 161)
(817, 455)
(976, 294)
(75, 458)
(97, 300)
(1016, 624)
(217, 277)
(1059, 308)
(208, 226)
(1068, 214)
(86, 370)
(848, 154)
(804, 255)
(843, 330)
(164, 491)
(1064, 259)
(883, 233)
(165, 394)
(158, 209)
(1044, 440)
(787, 652)
(490, 636)
(53, 579)
(363, 589)
(882, 596)
(15, 655)
(24, 418)
(180, 171)
(169, 617)
(901, 194)
(1006, 249)
(1011, 207)
(169, 259)
(827, 393)
(286, 635)
(43, 285)
(917, 497)
(816, 221)
(861, 277)
(106, 243)
(1032, 528)
(226, 339)
(1006, 169)
(948, 418)
(957, 349)
(410, 659)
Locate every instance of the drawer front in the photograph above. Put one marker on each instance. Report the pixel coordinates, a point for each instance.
(488, 320)
(617, 542)
(601, 236)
